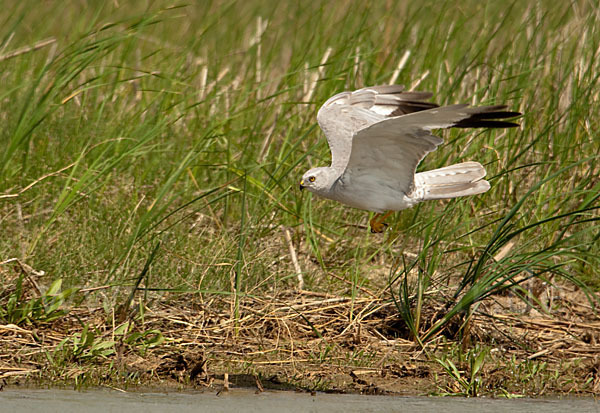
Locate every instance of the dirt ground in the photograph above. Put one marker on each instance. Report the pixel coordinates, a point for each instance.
(313, 342)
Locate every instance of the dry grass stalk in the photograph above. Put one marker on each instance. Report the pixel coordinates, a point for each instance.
(27, 49)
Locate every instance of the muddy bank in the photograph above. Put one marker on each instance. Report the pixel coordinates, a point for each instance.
(248, 401)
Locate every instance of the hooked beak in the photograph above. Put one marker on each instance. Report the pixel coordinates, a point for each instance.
(301, 185)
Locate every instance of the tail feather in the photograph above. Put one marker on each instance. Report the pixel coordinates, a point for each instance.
(461, 179)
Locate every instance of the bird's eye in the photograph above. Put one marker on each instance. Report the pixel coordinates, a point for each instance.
(312, 179)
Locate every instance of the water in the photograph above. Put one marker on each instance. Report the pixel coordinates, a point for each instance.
(238, 400)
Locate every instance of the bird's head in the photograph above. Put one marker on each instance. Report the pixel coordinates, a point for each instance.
(318, 180)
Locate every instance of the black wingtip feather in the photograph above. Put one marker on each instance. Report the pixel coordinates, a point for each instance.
(496, 115)
(485, 124)
(485, 117)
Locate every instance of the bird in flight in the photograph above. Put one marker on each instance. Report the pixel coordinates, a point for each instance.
(378, 135)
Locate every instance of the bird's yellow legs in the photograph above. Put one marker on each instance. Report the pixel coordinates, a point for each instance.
(376, 223)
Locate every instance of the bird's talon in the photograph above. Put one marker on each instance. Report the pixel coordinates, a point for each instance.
(376, 223)
(378, 227)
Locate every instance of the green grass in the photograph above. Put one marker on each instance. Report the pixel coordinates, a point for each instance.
(161, 147)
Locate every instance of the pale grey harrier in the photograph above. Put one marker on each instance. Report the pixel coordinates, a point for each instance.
(377, 137)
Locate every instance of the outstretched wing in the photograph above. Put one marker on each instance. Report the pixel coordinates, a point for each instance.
(346, 113)
(390, 150)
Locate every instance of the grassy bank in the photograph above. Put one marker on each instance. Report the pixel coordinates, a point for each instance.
(149, 205)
